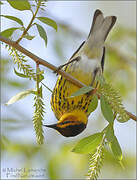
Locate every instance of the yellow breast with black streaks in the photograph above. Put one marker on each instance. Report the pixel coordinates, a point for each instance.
(60, 102)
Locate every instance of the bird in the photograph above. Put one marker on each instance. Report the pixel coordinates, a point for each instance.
(85, 64)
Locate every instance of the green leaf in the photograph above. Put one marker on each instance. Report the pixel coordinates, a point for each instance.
(109, 133)
(1, 3)
(116, 149)
(42, 33)
(17, 84)
(20, 96)
(88, 144)
(106, 110)
(48, 21)
(41, 72)
(20, 74)
(81, 91)
(19, 21)
(29, 37)
(22, 28)
(20, 4)
(8, 32)
(41, 77)
(93, 104)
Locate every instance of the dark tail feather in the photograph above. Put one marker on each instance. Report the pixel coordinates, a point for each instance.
(100, 28)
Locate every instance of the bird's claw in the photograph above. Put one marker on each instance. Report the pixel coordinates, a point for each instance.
(57, 70)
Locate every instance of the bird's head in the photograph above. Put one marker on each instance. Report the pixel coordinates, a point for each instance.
(70, 124)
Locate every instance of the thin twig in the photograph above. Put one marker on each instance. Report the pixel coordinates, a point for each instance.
(30, 24)
(50, 66)
(132, 116)
(46, 87)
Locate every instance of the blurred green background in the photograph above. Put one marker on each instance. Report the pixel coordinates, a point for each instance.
(54, 159)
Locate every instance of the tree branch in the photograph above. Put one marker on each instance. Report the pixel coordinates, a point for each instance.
(41, 61)
(50, 66)
(132, 116)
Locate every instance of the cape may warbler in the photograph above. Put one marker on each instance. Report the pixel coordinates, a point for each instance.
(84, 65)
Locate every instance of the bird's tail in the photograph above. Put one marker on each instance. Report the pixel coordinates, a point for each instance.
(100, 28)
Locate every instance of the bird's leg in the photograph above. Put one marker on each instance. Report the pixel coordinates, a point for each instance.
(69, 62)
(96, 71)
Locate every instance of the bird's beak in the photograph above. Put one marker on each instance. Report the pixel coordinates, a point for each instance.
(54, 126)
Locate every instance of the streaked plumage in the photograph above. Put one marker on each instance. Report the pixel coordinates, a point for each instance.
(90, 61)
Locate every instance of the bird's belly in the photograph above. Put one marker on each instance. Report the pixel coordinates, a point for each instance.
(83, 70)
(86, 65)
(60, 101)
